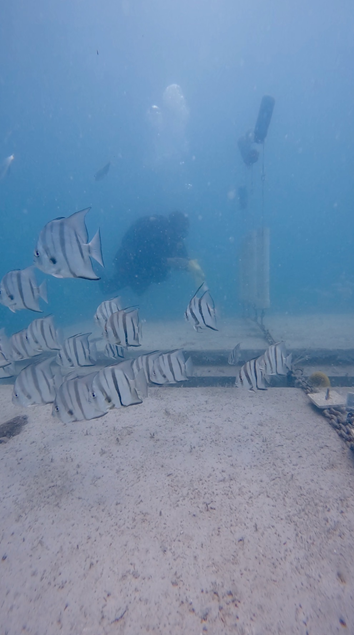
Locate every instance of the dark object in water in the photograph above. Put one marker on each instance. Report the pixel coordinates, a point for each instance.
(242, 197)
(147, 249)
(263, 119)
(248, 152)
(12, 427)
(102, 172)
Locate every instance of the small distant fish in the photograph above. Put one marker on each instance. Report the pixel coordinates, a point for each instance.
(5, 349)
(114, 351)
(234, 356)
(124, 328)
(63, 250)
(77, 350)
(42, 334)
(114, 386)
(21, 346)
(100, 174)
(35, 384)
(76, 401)
(171, 367)
(19, 290)
(251, 376)
(201, 310)
(275, 361)
(7, 371)
(5, 166)
(105, 309)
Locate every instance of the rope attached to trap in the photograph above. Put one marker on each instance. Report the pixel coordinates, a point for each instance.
(259, 320)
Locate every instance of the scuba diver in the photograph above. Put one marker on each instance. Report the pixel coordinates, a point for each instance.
(151, 247)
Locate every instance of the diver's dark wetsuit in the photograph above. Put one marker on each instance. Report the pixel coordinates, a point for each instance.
(150, 248)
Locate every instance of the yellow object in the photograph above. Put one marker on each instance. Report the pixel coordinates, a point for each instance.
(319, 380)
(196, 270)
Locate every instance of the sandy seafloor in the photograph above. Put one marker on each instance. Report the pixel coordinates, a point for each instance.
(206, 510)
(202, 510)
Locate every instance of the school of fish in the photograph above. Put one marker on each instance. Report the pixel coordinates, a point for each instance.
(56, 368)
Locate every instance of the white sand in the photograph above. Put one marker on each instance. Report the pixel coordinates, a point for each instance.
(200, 511)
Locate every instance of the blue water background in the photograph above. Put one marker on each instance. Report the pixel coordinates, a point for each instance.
(77, 79)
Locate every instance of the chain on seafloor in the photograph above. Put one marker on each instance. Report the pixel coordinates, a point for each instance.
(341, 420)
(266, 333)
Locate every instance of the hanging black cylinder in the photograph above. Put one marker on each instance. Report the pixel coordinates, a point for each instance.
(263, 119)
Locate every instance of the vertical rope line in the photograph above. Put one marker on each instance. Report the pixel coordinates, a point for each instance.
(263, 182)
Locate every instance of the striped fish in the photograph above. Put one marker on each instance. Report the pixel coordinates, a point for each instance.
(251, 376)
(105, 309)
(115, 386)
(275, 361)
(145, 363)
(19, 290)
(113, 351)
(124, 328)
(42, 334)
(35, 384)
(77, 350)
(234, 355)
(63, 250)
(140, 381)
(5, 350)
(7, 371)
(76, 400)
(200, 311)
(21, 347)
(171, 367)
